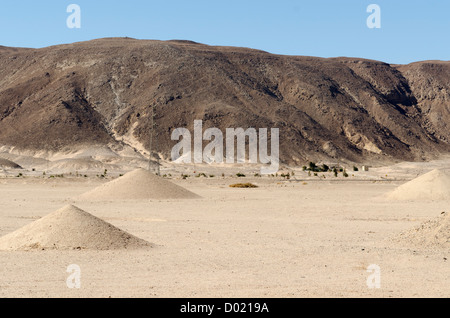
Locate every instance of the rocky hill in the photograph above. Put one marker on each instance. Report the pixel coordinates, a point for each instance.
(101, 92)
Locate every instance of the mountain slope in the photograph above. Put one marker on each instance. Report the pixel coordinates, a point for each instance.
(101, 92)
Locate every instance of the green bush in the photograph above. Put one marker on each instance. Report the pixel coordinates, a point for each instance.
(312, 166)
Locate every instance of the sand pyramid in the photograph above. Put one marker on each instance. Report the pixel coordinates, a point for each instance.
(139, 184)
(67, 229)
(434, 185)
(433, 233)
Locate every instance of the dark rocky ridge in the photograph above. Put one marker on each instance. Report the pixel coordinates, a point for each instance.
(91, 93)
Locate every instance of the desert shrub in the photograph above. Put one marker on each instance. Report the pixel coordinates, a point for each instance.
(314, 168)
(243, 185)
(355, 168)
(240, 175)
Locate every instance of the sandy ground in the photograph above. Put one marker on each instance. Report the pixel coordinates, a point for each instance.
(311, 238)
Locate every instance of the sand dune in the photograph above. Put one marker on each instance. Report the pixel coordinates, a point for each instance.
(139, 184)
(433, 233)
(434, 185)
(67, 229)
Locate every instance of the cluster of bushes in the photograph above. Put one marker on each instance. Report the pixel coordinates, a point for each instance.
(198, 175)
(57, 176)
(312, 167)
(103, 175)
(287, 175)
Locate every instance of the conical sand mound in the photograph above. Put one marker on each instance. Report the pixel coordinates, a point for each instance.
(434, 185)
(138, 185)
(67, 229)
(433, 233)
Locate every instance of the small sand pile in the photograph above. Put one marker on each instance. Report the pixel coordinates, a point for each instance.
(431, 234)
(70, 228)
(139, 184)
(434, 185)
(5, 163)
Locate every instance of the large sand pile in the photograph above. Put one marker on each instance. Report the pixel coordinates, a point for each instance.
(434, 185)
(138, 185)
(433, 233)
(67, 229)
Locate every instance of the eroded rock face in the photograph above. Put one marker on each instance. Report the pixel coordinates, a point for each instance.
(101, 92)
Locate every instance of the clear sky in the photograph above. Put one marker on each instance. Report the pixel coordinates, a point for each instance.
(411, 30)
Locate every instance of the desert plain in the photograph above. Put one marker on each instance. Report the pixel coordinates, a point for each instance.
(306, 236)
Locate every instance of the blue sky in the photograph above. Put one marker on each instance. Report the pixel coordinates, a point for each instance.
(410, 30)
